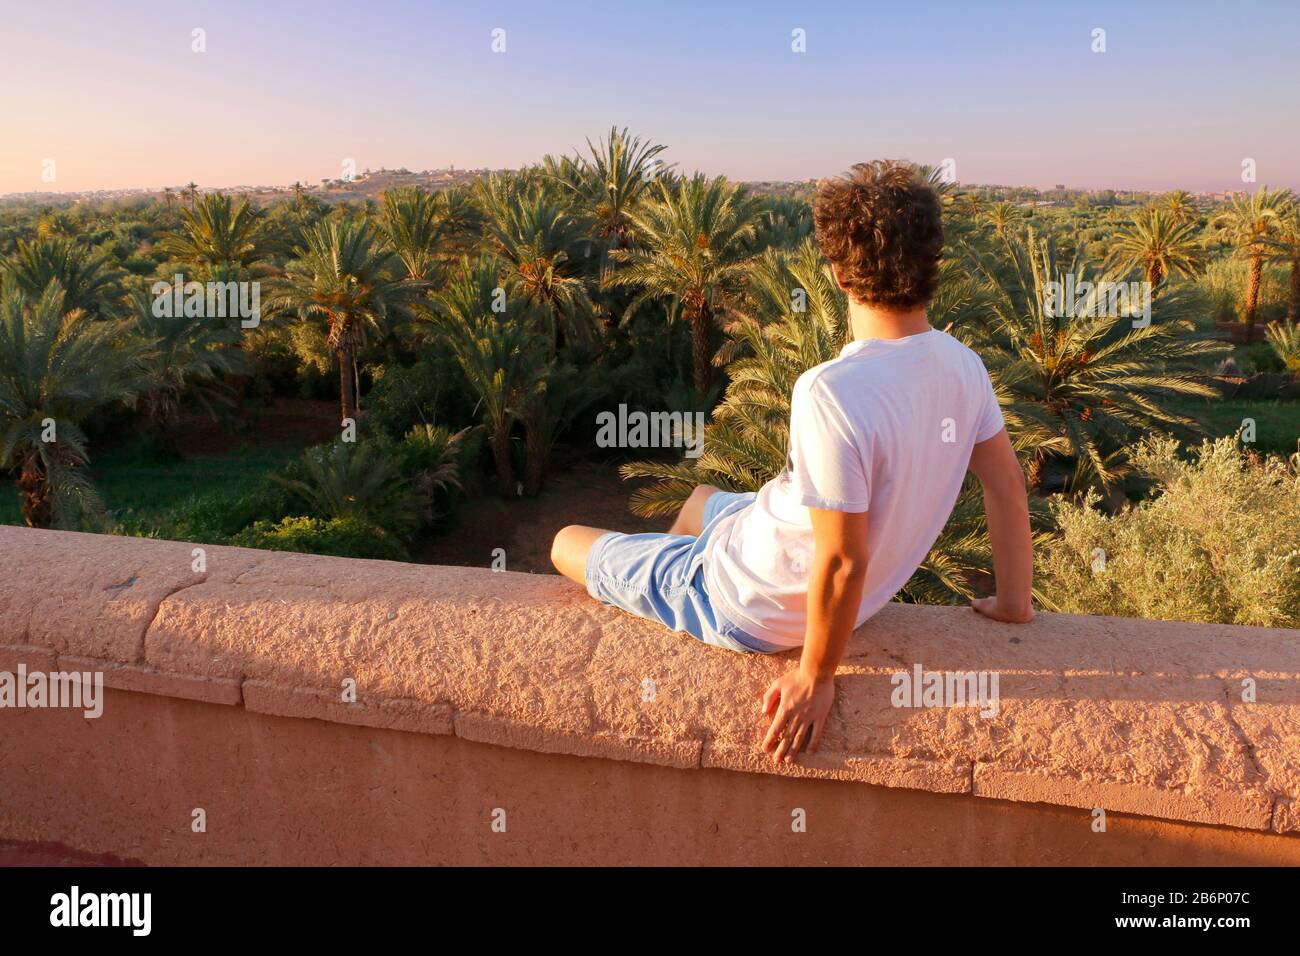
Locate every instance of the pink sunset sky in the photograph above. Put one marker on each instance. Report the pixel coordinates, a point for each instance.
(117, 97)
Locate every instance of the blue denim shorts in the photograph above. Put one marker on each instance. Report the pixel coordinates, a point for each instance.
(661, 577)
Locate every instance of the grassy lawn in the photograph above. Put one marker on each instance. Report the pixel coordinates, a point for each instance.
(1277, 421)
(146, 490)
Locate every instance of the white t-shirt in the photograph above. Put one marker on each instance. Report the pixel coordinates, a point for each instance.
(888, 428)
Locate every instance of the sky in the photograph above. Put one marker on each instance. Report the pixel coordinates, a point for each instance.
(97, 95)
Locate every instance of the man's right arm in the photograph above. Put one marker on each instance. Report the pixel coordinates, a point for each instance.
(1006, 505)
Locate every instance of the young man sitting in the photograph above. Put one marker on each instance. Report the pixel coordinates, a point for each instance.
(881, 438)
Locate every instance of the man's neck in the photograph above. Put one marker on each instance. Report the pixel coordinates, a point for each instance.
(873, 322)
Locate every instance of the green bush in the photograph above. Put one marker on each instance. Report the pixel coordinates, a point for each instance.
(139, 265)
(430, 390)
(1224, 284)
(361, 480)
(344, 537)
(209, 518)
(1220, 542)
(1263, 358)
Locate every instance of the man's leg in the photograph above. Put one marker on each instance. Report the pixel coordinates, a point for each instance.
(690, 520)
(569, 550)
(573, 542)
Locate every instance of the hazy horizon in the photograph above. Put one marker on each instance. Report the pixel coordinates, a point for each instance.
(117, 99)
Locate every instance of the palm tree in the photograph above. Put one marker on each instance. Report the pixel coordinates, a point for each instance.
(1250, 223)
(1285, 246)
(1180, 206)
(54, 225)
(817, 325)
(88, 280)
(492, 338)
(553, 394)
(537, 234)
(1285, 340)
(1160, 245)
(220, 240)
(938, 179)
(56, 368)
(413, 226)
(785, 222)
(184, 355)
(1088, 381)
(345, 275)
(460, 223)
(1003, 215)
(433, 453)
(692, 241)
(192, 192)
(215, 231)
(612, 183)
(971, 203)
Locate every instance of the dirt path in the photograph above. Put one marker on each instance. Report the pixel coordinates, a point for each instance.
(586, 493)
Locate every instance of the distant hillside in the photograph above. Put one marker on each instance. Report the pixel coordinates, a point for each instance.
(367, 185)
(372, 183)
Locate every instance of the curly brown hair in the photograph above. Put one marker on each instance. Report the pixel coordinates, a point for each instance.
(881, 227)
